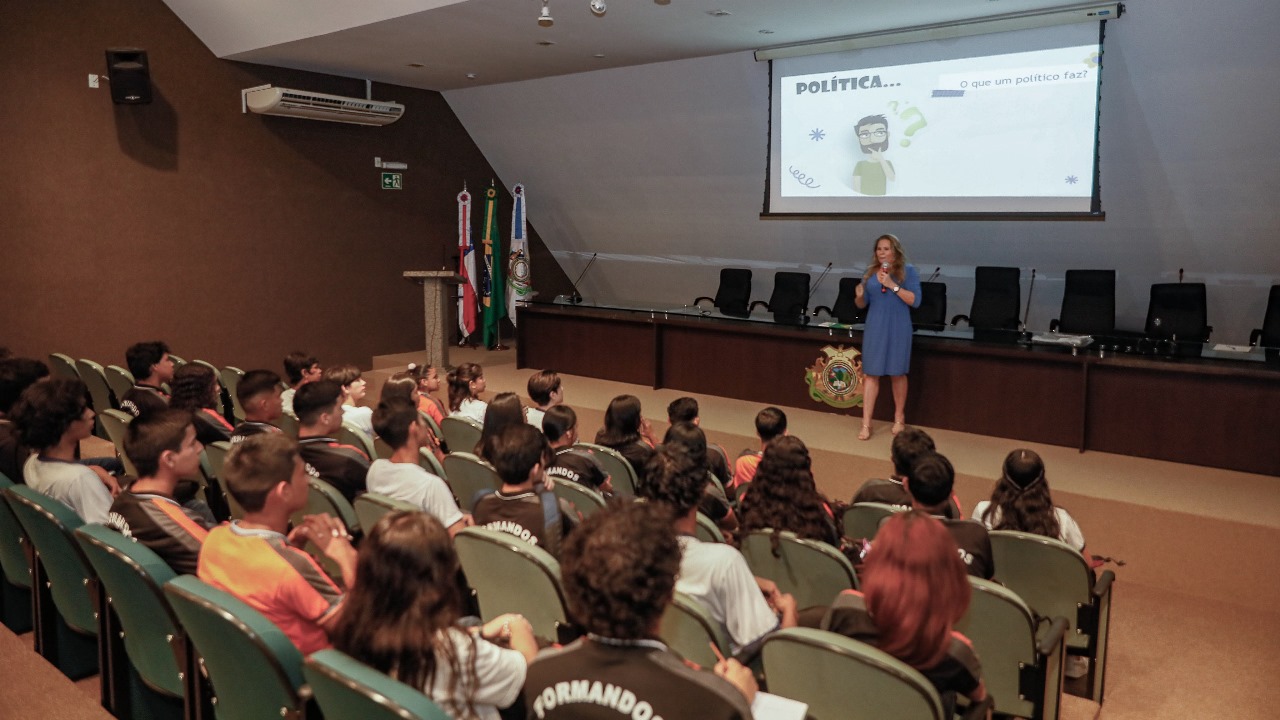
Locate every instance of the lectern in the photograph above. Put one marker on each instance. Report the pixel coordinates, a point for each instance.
(438, 302)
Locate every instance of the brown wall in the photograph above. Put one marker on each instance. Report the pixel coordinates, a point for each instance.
(235, 238)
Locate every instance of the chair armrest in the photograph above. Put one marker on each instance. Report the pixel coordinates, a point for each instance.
(1054, 324)
(958, 318)
(1102, 587)
(1052, 638)
(980, 710)
(700, 299)
(1255, 336)
(757, 303)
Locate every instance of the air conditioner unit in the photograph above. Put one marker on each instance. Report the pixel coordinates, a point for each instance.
(268, 100)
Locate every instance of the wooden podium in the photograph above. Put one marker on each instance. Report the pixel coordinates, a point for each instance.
(438, 302)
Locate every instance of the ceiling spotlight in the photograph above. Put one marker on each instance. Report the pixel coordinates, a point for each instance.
(598, 8)
(545, 19)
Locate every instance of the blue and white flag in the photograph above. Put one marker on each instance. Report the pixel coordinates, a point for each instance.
(518, 265)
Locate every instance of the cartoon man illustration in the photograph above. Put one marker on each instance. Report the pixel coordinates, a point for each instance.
(870, 177)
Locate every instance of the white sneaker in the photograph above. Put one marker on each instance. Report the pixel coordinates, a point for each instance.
(1076, 667)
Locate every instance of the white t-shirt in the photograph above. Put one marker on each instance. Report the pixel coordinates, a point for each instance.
(533, 416)
(414, 485)
(473, 409)
(71, 484)
(1068, 530)
(286, 400)
(361, 417)
(499, 677)
(717, 576)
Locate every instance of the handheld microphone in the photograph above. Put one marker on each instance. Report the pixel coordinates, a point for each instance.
(576, 297)
(814, 289)
(885, 268)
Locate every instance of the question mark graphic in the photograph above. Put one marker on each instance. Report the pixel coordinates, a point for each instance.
(913, 127)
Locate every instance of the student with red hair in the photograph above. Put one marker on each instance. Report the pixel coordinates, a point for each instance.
(914, 589)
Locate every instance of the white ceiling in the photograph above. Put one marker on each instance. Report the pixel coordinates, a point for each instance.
(497, 40)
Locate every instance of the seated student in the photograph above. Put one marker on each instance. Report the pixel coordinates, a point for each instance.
(783, 495)
(619, 576)
(320, 410)
(300, 369)
(627, 431)
(259, 395)
(770, 423)
(1021, 501)
(715, 574)
(353, 391)
(519, 454)
(404, 385)
(52, 417)
(399, 423)
(690, 439)
(164, 448)
(197, 391)
(401, 617)
(16, 375)
(685, 409)
(505, 410)
(546, 391)
(930, 481)
(913, 592)
(906, 447)
(258, 559)
(579, 464)
(151, 367)
(428, 379)
(466, 384)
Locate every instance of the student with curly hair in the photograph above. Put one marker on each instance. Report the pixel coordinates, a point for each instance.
(197, 390)
(914, 590)
(52, 417)
(401, 617)
(627, 430)
(1021, 501)
(783, 495)
(714, 574)
(466, 385)
(619, 576)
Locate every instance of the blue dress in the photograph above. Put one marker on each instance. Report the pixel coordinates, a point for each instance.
(886, 341)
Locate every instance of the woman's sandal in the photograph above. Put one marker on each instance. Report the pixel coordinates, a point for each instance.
(866, 433)
(898, 427)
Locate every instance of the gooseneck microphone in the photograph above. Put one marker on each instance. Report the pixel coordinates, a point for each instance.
(576, 297)
(885, 268)
(934, 276)
(1030, 292)
(814, 289)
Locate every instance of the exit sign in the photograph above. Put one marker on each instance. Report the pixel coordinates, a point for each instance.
(392, 181)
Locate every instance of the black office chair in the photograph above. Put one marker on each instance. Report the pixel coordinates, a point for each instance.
(734, 292)
(1088, 303)
(1178, 319)
(1268, 336)
(790, 295)
(932, 312)
(845, 309)
(997, 302)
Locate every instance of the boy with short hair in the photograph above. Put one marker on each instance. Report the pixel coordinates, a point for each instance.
(930, 481)
(400, 424)
(259, 393)
(300, 369)
(151, 367)
(255, 560)
(907, 447)
(546, 391)
(519, 455)
(163, 447)
(770, 423)
(320, 412)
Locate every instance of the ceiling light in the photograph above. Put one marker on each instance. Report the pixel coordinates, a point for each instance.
(598, 55)
(545, 19)
(471, 76)
(598, 8)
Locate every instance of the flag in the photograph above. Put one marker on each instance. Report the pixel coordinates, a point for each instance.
(492, 296)
(466, 267)
(519, 270)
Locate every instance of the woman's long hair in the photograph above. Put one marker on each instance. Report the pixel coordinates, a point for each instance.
(783, 495)
(916, 588)
(898, 268)
(504, 410)
(405, 598)
(1021, 497)
(621, 422)
(193, 388)
(459, 380)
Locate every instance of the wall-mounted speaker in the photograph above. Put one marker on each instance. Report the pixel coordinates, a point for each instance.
(129, 76)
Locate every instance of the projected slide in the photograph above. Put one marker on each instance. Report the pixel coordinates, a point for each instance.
(1020, 125)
